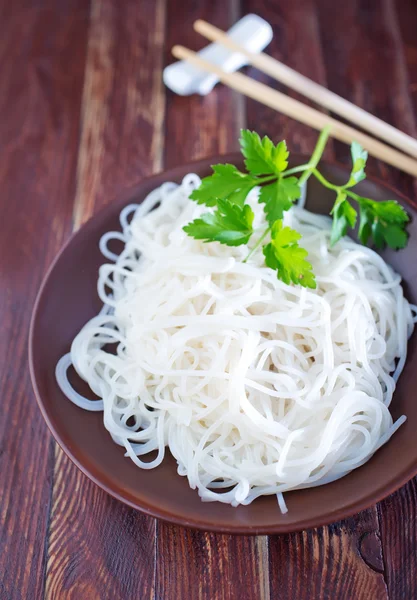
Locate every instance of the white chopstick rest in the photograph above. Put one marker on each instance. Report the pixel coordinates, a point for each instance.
(251, 32)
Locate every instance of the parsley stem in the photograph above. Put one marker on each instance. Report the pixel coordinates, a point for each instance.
(353, 196)
(258, 243)
(324, 181)
(298, 169)
(265, 179)
(316, 156)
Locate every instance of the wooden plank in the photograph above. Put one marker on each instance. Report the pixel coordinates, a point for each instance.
(406, 15)
(40, 100)
(98, 548)
(196, 126)
(296, 43)
(208, 566)
(192, 564)
(123, 101)
(365, 64)
(379, 81)
(398, 521)
(342, 561)
(334, 549)
(398, 513)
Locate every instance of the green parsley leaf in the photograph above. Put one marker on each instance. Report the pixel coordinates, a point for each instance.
(284, 255)
(262, 156)
(231, 224)
(384, 221)
(392, 235)
(344, 216)
(389, 211)
(365, 223)
(226, 182)
(279, 197)
(359, 158)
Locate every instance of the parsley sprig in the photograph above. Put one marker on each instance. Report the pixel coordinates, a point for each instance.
(230, 222)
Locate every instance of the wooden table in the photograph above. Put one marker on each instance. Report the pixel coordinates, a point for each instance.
(84, 115)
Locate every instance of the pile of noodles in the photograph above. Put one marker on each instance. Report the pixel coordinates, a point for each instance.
(256, 387)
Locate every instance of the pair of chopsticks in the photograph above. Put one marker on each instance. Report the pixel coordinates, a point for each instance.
(299, 111)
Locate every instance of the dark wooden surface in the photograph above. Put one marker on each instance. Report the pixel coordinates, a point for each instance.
(83, 115)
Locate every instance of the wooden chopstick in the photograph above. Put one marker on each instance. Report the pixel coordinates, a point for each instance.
(314, 91)
(299, 111)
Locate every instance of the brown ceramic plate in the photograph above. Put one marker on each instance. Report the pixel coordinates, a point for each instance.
(68, 298)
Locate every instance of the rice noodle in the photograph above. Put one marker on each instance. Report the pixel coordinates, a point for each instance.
(256, 387)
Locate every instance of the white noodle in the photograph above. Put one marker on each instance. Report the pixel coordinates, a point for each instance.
(256, 387)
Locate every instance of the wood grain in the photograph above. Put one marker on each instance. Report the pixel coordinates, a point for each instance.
(123, 101)
(328, 546)
(97, 548)
(407, 26)
(202, 566)
(219, 115)
(39, 107)
(194, 564)
(342, 561)
(398, 521)
(121, 137)
(398, 513)
(363, 51)
(361, 74)
(85, 115)
(291, 23)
